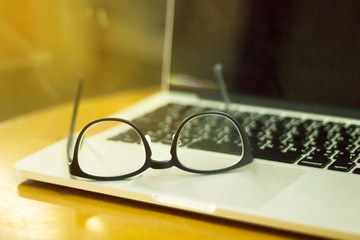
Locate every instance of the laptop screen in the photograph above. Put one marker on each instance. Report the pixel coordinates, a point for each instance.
(299, 51)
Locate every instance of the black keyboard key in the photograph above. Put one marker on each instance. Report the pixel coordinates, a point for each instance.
(344, 145)
(144, 120)
(345, 137)
(315, 161)
(241, 116)
(356, 150)
(299, 137)
(322, 152)
(261, 135)
(345, 156)
(129, 136)
(277, 156)
(321, 143)
(328, 126)
(351, 129)
(211, 145)
(255, 133)
(298, 149)
(357, 171)
(324, 135)
(148, 127)
(307, 123)
(275, 144)
(294, 149)
(254, 141)
(146, 124)
(342, 166)
(301, 147)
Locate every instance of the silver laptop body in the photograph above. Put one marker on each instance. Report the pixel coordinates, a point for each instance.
(294, 196)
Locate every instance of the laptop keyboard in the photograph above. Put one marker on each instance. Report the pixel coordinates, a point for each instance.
(312, 143)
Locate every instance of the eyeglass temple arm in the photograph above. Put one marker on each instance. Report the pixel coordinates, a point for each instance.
(219, 75)
(73, 119)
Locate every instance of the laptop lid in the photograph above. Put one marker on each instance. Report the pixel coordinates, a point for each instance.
(302, 55)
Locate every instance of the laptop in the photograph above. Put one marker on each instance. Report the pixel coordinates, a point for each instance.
(292, 71)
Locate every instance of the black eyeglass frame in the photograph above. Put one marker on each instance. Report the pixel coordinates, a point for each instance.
(247, 157)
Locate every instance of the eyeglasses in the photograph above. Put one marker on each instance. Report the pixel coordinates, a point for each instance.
(114, 148)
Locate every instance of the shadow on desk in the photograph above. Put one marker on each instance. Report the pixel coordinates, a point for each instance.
(94, 210)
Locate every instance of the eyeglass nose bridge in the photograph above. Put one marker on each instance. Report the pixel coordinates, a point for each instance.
(156, 164)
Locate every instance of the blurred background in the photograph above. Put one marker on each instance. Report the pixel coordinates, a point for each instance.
(45, 45)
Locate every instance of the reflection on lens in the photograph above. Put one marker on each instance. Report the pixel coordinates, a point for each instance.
(111, 149)
(209, 142)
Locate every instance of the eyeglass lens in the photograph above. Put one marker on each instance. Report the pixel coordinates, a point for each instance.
(99, 156)
(209, 142)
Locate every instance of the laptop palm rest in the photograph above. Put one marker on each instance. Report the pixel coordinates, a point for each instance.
(250, 187)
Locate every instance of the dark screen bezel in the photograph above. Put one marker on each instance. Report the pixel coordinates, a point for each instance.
(285, 105)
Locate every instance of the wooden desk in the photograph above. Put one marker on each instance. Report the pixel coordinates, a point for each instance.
(35, 210)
